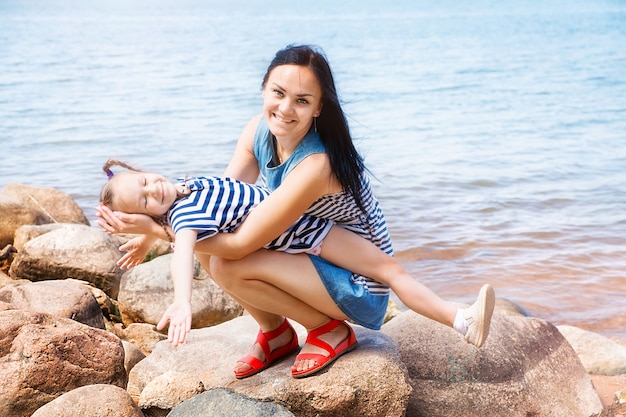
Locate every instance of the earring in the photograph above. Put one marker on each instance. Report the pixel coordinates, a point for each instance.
(315, 124)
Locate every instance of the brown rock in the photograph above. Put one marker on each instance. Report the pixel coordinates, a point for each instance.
(132, 355)
(525, 368)
(30, 231)
(141, 335)
(58, 298)
(42, 357)
(598, 354)
(92, 401)
(13, 215)
(60, 207)
(71, 251)
(170, 389)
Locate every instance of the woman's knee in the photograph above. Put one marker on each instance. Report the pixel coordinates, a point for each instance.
(223, 272)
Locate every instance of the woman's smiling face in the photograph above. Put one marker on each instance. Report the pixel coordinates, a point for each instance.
(292, 97)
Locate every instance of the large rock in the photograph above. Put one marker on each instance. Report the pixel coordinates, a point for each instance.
(526, 368)
(22, 204)
(58, 205)
(43, 357)
(72, 251)
(599, 355)
(370, 381)
(65, 298)
(13, 215)
(98, 400)
(147, 290)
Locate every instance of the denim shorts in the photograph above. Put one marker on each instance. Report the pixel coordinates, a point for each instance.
(356, 302)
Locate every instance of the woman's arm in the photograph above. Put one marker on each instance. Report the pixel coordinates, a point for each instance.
(308, 181)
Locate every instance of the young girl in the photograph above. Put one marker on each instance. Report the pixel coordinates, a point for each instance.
(200, 207)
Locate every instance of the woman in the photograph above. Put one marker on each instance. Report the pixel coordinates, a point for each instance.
(302, 148)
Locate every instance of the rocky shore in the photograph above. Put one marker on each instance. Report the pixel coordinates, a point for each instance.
(78, 338)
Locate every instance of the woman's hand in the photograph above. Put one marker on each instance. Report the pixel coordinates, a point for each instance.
(136, 250)
(118, 222)
(179, 316)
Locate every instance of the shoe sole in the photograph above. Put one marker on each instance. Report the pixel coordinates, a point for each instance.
(488, 297)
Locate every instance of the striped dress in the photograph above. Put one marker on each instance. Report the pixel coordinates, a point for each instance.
(217, 204)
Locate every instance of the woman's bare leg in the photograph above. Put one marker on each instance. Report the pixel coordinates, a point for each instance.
(271, 285)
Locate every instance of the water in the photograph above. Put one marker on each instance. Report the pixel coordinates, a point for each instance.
(496, 129)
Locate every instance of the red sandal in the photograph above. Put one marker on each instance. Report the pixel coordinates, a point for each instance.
(263, 339)
(322, 361)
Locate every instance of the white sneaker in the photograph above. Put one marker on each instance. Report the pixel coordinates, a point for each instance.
(478, 316)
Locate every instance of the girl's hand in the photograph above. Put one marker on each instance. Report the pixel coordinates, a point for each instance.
(179, 316)
(118, 222)
(136, 250)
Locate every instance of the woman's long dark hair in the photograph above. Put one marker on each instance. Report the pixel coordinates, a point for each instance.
(345, 161)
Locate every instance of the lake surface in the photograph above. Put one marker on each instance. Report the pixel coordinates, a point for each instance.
(496, 130)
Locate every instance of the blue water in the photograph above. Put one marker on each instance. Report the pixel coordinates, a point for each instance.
(496, 130)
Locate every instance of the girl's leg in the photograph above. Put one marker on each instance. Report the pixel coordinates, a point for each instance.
(271, 285)
(354, 253)
(350, 251)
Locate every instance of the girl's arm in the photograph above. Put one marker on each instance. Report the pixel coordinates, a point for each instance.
(182, 269)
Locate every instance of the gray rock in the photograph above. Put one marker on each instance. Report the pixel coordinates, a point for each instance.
(224, 403)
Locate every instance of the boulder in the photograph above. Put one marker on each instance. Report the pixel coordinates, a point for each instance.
(369, 381)
(98, 400)
(169, 389)
(71, 251)
(56, 204)
(132, 355)
(22, 204)
(147, 290)
(221, 402)
(598, 354)
(59, 298)
(30, 231)
(13, 215)
(526, 368)
(43, 357)
(142, 335)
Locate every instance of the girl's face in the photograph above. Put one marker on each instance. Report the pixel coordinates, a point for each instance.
(292, 97)
(143, 192)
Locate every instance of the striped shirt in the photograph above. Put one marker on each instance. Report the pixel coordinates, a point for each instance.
(217, 205)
